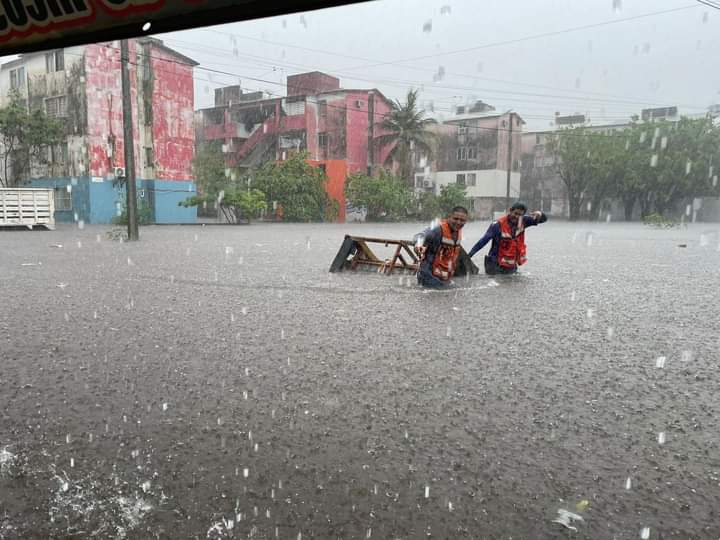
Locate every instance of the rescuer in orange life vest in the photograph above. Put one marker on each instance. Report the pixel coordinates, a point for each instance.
(508, 249)
(439, 248)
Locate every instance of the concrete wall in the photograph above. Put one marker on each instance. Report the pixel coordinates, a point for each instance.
(172, 122)
(488, 183)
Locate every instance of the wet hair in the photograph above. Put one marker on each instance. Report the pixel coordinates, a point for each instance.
(517, 205)
(459, 209)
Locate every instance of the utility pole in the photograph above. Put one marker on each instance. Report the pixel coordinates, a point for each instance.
(509, 162)
(128, 142)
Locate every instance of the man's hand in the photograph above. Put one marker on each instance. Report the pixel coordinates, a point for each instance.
(537, 214)
(420, 251)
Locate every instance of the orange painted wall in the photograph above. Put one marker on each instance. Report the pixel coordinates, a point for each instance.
(336, 171)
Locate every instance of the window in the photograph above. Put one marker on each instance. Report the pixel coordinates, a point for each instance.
(323, 140)
(460, 179)
(323, 168)
(17, 78)
(472, 152)
(322, 108)
(63, 199)
(462, 153)
(471, 179)
(149, 157)
(537, 139)
(56, 106)
(419, 181)
(55, 61)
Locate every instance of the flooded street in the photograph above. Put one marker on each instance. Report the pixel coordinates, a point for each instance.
(218, 382)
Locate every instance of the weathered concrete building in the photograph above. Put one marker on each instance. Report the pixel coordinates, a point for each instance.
(334, 125)
(472, 150)
(82, 87)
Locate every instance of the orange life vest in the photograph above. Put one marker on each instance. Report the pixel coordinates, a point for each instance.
(443, 266)
(512, 249)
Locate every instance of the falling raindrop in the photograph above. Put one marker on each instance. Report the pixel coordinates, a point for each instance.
(79, 244)
(610, 332)
(654, 160)
(686, 356)
(627, 145)
(646, 48)
(448, 333)
(660, 362)
(572, 296)
(688, 167)
(628, 483)
(617, 6)
(307, 242)
(661, 437)
(688, 210)
(427, 492)
(246, 472)
(577, 82)
(590, 313)
(643, 136)
(589, 237)
(705, 17)
(663, 143)
(129, 261)
(244, 311)
(714, 182)
(81, 224)
(445, 10)
(427, 27)
(645, 533)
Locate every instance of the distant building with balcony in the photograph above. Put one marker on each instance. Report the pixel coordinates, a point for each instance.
(472, 150)
(82, 87)
(334, 125)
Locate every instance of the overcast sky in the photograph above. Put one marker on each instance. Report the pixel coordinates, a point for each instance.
(459, 50)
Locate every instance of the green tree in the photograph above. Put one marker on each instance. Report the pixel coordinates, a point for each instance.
(209, 169)
(405, 131)
(385, 196)
(452, 195)
(24, 140)
(237, 204)
(299, 187)
(572, 149)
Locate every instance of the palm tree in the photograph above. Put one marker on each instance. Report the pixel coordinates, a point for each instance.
(405, 130)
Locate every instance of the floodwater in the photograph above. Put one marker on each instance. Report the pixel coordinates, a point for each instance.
(218, 382)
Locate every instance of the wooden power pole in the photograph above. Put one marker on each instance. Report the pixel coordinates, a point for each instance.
(128, 142)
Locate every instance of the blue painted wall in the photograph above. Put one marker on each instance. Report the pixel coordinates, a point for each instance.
(167, 195)
(80, 197)
(100, 202)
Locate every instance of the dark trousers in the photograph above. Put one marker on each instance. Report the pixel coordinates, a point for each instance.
(426, 279)
(492, 267)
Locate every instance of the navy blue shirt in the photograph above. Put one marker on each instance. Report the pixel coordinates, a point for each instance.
(493, 233)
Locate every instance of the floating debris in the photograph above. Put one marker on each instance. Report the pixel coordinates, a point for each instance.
(566, 518)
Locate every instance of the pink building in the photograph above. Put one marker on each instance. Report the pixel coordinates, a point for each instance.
(81, 86)
(336, 126)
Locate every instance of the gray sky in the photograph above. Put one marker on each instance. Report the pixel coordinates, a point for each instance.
(608, 71)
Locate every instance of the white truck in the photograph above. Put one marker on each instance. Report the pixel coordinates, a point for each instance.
(27, 207)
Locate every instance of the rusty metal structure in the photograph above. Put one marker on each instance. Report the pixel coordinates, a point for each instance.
(356, 254)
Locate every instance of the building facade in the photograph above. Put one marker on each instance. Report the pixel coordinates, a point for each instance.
(81, 86)
(475, 148)
(335, 126)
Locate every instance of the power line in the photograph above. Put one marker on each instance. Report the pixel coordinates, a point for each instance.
(529, 38)
(395, 82)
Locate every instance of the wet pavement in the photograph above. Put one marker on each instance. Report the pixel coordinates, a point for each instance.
(218, 382)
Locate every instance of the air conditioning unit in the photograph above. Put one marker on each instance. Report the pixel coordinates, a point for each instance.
(119, 172)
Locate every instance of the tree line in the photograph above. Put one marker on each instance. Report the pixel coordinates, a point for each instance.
(654, 167)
